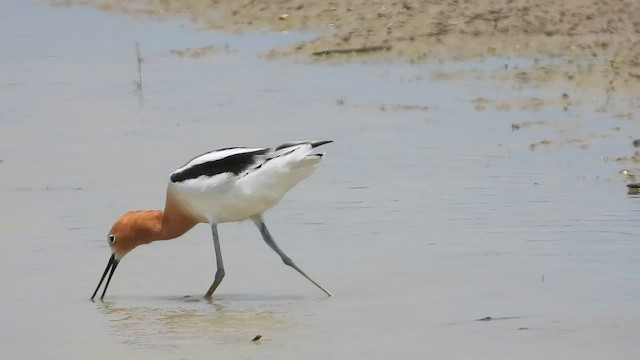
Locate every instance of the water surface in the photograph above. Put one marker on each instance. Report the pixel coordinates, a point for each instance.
(419, 221)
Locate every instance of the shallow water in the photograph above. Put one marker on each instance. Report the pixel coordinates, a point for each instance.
(419, 221)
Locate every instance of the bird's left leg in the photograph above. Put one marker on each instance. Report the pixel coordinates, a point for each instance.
(219, 264)
(257, 220)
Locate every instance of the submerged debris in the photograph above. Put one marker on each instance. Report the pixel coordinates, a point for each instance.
(194, 53)
(385, 107)
(534, 146)
(360, 50)
(489, 318)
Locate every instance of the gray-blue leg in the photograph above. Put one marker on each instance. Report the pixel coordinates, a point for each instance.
(220, 266)
(272, 244)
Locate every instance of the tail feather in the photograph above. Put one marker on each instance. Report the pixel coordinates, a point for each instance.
(297, 154)
(307, 161)
(313, 143)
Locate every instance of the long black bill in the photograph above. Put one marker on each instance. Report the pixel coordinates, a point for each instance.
(112, 264)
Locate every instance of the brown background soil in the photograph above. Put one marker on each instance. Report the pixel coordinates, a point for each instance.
(598, 40)
(421, 30)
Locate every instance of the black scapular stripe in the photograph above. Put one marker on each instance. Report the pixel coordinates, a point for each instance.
(236, 164)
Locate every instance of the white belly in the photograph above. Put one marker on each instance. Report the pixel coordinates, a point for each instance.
(226, 198)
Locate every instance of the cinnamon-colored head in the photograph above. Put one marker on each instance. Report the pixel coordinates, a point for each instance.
(132, 229)
(142, 227)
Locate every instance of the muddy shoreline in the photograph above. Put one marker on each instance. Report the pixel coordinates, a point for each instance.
(582, 45)
(417, 31)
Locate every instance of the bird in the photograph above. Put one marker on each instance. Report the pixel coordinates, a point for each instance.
(226, 185)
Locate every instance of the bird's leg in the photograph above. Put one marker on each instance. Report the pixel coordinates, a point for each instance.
(219, 264)
(272, 244)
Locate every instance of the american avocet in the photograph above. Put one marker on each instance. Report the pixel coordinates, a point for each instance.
(225, 185)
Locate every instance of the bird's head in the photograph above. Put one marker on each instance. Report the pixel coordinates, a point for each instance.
(130, 230)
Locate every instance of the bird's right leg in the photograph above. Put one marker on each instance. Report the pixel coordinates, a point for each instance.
(220, 266)
(266, 236)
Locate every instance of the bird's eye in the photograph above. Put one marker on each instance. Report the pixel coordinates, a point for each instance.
(112, 239)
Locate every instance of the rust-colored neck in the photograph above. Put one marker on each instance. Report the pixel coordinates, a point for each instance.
(175, 220)
(144, 226)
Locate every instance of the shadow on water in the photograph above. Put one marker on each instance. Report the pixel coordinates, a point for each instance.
(169, 322)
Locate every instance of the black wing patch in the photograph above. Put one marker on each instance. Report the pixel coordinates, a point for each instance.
(236, 164)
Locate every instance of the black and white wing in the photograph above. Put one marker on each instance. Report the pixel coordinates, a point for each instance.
(237, 161)
(229, 160)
